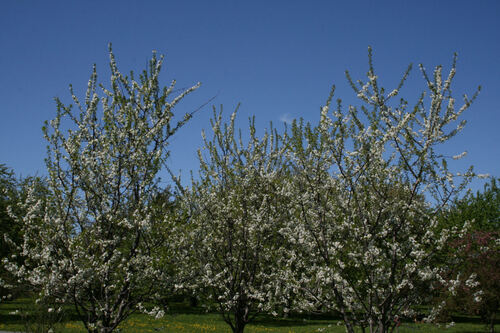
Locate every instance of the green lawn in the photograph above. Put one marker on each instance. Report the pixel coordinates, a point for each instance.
(184, 319)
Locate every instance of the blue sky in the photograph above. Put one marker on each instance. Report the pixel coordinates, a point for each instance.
(278, 58)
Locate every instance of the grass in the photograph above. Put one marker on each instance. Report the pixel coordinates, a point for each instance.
(182, 318)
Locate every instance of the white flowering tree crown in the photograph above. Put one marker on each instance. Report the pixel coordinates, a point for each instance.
(237, 211)
(94, 243)
(368, 184)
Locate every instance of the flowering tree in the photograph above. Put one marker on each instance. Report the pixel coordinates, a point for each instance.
(93, 244)
(368, 185)
(236, 212)
(14, 194)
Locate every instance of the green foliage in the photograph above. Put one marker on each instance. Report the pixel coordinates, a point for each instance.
(476, 257)
(9, 230)
(482, 209)
(8, 197)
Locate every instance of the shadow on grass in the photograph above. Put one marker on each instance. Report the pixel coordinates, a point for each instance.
(10, 319)
(294, 320)
(457, 318)
(175, 308)
(23, 310)
(11, 311)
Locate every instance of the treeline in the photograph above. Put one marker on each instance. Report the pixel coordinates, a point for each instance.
(358, 214)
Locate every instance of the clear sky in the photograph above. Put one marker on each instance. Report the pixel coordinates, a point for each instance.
(278, 58)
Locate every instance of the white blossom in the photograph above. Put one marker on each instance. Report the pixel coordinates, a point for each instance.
(363, 189)
(93, 238)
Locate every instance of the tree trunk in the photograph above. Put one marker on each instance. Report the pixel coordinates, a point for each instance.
(239, 326)
(382, 327)
(348, 325)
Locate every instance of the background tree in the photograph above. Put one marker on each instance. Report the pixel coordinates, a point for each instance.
(10, 231)
(369, 184)
(477, 254)
(481, 208)
(233, 231)
(94, 244)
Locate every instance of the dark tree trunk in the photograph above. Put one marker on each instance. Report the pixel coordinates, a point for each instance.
(240, 318)
(239, 328)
